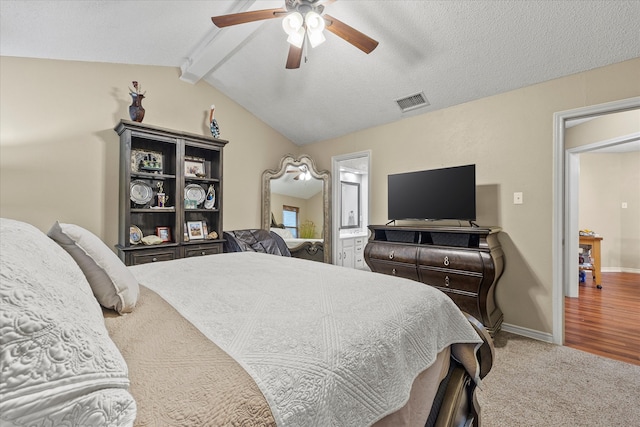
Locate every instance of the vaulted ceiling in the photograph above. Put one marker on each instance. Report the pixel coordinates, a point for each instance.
(452, 51)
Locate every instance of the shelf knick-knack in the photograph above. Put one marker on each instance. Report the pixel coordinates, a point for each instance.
(213, 124)
(210, 200)
(136, 112)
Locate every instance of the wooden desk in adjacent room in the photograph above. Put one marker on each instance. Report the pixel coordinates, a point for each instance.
(594, 242)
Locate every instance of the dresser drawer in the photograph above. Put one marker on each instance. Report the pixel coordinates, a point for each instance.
(153, 255)
(408, 271)
(200, 250)
(358, 253)
(466, 303)
(451, 258)
(391, 252)
(450, 280)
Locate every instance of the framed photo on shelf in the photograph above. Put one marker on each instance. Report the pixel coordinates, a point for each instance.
(146, 161)
(194, 166)
(164, 233)
(195, 230)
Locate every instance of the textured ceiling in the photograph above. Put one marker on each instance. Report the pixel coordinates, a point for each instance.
(453, 51)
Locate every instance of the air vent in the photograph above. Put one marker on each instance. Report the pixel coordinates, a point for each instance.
(412, 102)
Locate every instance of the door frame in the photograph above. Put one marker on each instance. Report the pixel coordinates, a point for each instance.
(335, 190)
(572, 176)
(565, 205)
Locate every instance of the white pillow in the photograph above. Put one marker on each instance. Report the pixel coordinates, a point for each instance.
(59, 365)
(282, 232)
(113, 284)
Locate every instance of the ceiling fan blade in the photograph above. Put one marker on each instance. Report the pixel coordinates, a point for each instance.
(350, 34)
(244, 17)
(294, 58)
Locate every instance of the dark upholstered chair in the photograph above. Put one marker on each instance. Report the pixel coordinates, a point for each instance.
(255, 240)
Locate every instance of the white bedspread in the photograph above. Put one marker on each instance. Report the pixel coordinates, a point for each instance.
(327, 345)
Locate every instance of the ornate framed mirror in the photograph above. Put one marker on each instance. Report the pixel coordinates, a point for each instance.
(296, 205)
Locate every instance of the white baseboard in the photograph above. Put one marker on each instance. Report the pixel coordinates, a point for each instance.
(529, 333)
(619, 270)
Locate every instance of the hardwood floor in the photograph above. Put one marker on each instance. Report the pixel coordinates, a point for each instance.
(606, 321)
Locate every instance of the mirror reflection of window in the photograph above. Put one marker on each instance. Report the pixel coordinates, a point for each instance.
(290, 219)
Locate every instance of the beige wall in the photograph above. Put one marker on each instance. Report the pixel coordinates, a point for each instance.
(510, 139)
(316, 213)
(607, 180)
(59, 154)
(630, 217)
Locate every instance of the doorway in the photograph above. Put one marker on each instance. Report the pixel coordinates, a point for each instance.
(620, 144)
(350, 175)
(565, 202)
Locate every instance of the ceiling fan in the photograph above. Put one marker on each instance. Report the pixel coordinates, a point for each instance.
(302, 173)
(303, 21)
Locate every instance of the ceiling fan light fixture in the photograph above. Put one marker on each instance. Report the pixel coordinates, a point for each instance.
(297, 38)
(292, 23)
(315, 27)
(314, 22)
(316, 38)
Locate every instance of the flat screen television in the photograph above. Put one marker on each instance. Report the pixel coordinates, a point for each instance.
(435, 194)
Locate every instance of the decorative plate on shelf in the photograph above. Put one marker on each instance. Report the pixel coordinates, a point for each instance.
(135, 235)
(141, 192)
(194, 192)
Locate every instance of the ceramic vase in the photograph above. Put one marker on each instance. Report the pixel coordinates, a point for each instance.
(136, 112)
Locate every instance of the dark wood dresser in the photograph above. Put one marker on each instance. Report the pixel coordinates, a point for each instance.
(463, 262)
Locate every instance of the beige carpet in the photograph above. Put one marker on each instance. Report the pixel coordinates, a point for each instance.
(533, 383)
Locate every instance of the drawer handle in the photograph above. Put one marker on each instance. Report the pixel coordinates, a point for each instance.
(446, 260)
(154, 259)
(446, 281)
(391, 255)
(203, 253)
(393, 271)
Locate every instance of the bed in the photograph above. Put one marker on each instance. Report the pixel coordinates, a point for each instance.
(311, 249)
(230, 339)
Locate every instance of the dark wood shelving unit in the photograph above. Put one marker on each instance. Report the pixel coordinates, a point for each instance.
(169, 150)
